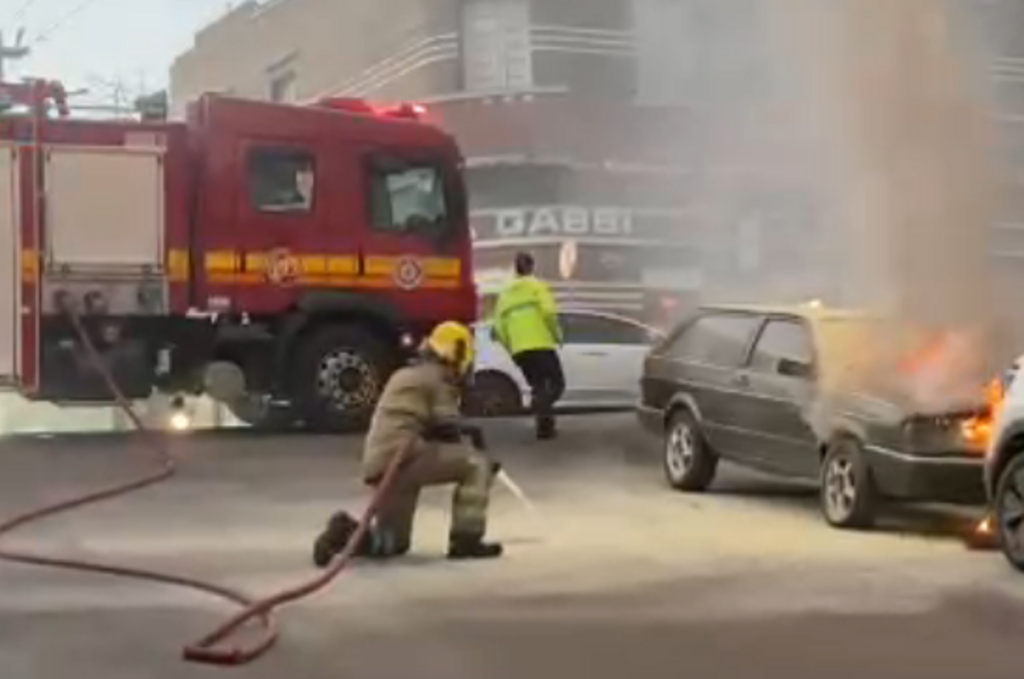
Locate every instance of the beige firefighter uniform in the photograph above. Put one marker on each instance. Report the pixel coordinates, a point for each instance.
(413, 398)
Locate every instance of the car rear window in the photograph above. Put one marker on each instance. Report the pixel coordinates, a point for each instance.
(717, 339)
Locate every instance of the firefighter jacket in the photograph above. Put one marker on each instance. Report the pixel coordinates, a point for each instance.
(415, 398)
(526, 317)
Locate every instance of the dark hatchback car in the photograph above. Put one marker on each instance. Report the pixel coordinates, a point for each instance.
(783, 390)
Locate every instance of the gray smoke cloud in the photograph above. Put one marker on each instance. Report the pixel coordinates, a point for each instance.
(875, 115)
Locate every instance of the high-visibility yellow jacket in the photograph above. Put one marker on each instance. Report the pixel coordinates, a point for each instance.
(526, 317)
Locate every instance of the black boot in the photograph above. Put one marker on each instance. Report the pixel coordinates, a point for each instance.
(546, 429)
(462, 547)
(335, 538)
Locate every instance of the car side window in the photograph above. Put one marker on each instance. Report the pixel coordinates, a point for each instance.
(407, 199)
(784, 348)
(280, 179)
(585, 329)
(715, 339)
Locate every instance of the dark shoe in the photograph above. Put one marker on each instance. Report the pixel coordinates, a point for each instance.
(547, 434)
(546, 429)
(473, 547)
(335, 538)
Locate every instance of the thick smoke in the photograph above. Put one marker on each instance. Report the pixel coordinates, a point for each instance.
(874, 113)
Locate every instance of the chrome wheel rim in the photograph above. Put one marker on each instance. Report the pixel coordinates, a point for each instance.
(680, 451)
(840, 488)
(1011, 515)
(346, 380)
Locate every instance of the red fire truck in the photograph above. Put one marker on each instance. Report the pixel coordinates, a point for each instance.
(280, 257)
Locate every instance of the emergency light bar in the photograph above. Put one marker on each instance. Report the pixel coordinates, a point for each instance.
(360, 106)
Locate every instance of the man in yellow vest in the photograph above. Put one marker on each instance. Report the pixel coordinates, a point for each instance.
(526, 324)
(418, 416)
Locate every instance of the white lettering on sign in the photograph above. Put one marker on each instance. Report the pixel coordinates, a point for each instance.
(562, 221)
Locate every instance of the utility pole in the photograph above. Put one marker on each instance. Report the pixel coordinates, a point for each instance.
(12, 52)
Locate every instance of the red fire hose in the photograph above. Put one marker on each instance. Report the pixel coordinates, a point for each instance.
(204, 650)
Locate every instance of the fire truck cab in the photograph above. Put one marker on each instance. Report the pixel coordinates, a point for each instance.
(280, 258)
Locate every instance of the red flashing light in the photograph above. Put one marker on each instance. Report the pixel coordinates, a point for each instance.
(345, 104)
(350, 105)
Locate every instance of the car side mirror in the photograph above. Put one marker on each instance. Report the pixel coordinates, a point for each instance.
(796, 369)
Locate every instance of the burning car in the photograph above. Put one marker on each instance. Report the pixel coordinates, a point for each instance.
(817, 394)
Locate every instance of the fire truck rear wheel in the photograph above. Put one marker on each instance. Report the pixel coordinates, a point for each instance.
(340, 372)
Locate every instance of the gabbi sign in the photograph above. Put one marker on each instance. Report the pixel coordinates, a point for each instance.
(552, 221)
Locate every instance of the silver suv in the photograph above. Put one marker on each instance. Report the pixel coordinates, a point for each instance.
(1004, 469)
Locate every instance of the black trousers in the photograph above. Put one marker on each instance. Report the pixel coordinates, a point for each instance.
(543, 371)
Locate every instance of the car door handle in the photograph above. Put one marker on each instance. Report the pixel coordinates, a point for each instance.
(596, 354)
(741, 381)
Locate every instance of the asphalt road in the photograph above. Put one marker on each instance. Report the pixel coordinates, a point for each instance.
(613, 576)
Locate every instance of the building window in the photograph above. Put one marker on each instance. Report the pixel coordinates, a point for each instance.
(281, 180)
(497, 54)
(282, 87)
(408, 200)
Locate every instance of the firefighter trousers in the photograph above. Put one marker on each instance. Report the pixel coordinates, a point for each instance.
(437, 464)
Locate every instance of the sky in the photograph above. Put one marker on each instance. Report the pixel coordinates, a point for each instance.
(94, 43)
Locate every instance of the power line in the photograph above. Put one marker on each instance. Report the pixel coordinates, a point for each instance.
(23, 9)
(47, 32)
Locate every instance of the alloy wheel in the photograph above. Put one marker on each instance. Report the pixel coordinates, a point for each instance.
(681, 449)
(840, 488)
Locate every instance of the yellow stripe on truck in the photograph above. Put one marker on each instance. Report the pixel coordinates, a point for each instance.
(447, 267)
(329, 270)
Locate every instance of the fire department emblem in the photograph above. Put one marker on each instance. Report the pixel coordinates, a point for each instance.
(408, 273)
(282, 267)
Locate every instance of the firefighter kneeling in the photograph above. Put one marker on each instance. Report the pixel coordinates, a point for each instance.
(421, 404)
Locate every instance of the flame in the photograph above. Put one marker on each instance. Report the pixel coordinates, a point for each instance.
(977, 430)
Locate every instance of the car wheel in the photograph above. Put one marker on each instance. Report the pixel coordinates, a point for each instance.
(847, 490)
(689, 462)
(493, 395)
(1009, 508)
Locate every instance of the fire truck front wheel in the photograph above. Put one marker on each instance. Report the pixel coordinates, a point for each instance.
(340, 372)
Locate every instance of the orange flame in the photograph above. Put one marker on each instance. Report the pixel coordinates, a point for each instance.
(978, 429)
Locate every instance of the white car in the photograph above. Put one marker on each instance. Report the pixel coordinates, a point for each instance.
(602, 358)
(1004, 471)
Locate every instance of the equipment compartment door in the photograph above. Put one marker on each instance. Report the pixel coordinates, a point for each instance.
(106, 208)
(10, 266)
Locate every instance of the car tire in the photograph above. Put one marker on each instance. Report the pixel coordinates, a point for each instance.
(492, 394)
(847, 488)
(1009, 509)
(340, 372)
(689, 462)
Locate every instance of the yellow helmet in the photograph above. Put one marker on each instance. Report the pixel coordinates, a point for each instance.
(453, 343)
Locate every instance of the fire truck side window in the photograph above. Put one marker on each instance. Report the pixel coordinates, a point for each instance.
(408, 199)
(281, 179)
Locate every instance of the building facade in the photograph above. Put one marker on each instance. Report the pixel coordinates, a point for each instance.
(643, 150)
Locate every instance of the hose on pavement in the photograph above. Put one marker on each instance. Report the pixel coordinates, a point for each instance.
(258, 610)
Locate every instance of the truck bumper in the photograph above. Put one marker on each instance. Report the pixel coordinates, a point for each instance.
(950, 479)
(651, 419)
